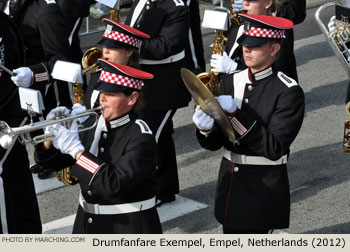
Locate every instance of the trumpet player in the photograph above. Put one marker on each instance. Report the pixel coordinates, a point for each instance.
(232, 59)
(266, 110)
(115, 164)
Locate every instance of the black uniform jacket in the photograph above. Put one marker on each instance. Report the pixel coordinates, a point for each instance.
(167, 22)
(294, 10)
(270, 114)
(123, 172)
(46, 34)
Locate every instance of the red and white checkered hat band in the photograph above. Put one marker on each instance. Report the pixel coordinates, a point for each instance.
(121, 80)
(264, 33)
(123, 38)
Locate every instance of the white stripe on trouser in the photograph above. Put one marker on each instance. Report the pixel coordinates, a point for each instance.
(193, 52)
(161, 126)
(2, 192)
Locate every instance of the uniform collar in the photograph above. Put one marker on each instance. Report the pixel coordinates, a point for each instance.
(120, 121)
(261, 74)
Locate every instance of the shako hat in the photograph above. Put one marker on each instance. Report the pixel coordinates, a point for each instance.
(259, 29)
(119, 35)
(116, 77)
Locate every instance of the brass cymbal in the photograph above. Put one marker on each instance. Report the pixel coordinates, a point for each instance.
(207, 102)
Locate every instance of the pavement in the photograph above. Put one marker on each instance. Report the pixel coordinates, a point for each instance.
(318, 169)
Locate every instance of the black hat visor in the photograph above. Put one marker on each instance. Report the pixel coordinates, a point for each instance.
(250, 41)
(110, 43)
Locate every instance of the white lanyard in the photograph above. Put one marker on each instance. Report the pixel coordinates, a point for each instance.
(139, 7)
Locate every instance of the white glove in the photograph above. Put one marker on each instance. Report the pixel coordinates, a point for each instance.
(67, 140)
(227, 103)
(78, 109)
(23, 78)
(203, 121)
(222, 63)
(237, 6)
(332, 25)
(55, 113)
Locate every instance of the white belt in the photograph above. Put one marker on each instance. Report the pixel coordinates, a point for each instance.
(117, 209)
(252, 160)
(172, 58)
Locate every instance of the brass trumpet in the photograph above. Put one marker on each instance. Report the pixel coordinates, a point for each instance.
(8, 134)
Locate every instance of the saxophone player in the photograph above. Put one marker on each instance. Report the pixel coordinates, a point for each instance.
(266, 110)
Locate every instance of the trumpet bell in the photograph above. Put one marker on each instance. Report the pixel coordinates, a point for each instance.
(5, 135)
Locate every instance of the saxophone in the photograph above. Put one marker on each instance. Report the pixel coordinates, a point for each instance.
(211, 80)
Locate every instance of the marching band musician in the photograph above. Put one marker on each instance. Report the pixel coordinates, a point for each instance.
(266, 110)
(120, 44)
(115, 164)
(163, 54)
(19, 210)
(285, 61)
(50, 32)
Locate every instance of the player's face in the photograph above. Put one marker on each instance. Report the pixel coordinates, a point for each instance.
(260, 57)
(256, 7)
(117, 55)
(116, 104)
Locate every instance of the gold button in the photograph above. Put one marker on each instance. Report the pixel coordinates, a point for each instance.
(104, 135)
(236, 169)
(90, 220)
(250, 87)
(89, 193)
(246, 100)
(102, 149)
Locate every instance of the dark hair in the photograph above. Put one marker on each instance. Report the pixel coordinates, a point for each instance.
(139, 105)
(275, 41)
(134, 60)
(274, 7)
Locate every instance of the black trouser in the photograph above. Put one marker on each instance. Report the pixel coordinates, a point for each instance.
(161, 125)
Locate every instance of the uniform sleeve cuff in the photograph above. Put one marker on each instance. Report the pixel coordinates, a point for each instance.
(40, 74)
(86, 167)
(242, 123)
